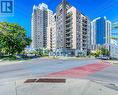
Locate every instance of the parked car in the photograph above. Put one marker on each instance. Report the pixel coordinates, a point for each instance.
(105, 58)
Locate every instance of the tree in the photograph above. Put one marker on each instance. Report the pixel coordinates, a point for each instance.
(39, 52)
(42, 52)
(105, 51)
(97, 53)
(13, 38)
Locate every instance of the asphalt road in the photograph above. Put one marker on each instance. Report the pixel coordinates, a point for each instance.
(103, 77)
(40, 67)
(67, 68)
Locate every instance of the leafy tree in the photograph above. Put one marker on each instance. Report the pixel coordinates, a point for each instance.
(12, 38)
(97, 53)
(42, 52)
(105, 51)
(39, 52)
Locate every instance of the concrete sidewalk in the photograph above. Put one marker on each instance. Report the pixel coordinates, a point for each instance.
(115, 62)
(9, 62)
(70, 87)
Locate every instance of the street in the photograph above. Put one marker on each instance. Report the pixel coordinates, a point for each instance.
(40, 67)
(89, 74)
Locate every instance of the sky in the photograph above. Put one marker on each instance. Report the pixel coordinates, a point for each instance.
(91, 8)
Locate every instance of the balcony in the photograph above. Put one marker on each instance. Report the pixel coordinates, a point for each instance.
(69, 36)
(68, 45)
(69, 28)
(68, 41)
(69, 24)
(69, 18)
(69, 15)
(68, 32)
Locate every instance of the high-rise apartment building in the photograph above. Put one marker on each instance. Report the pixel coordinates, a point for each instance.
(41, 19)
(66, 31)
(72, 28)
(100, 32)
(51, 33)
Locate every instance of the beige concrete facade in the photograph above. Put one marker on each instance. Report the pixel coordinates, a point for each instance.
(51, 34)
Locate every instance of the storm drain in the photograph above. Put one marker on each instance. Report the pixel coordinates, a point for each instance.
(45, 80)
(51, 80)
(30, 80)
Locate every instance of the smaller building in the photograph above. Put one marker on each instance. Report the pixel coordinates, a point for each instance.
(114, 49)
